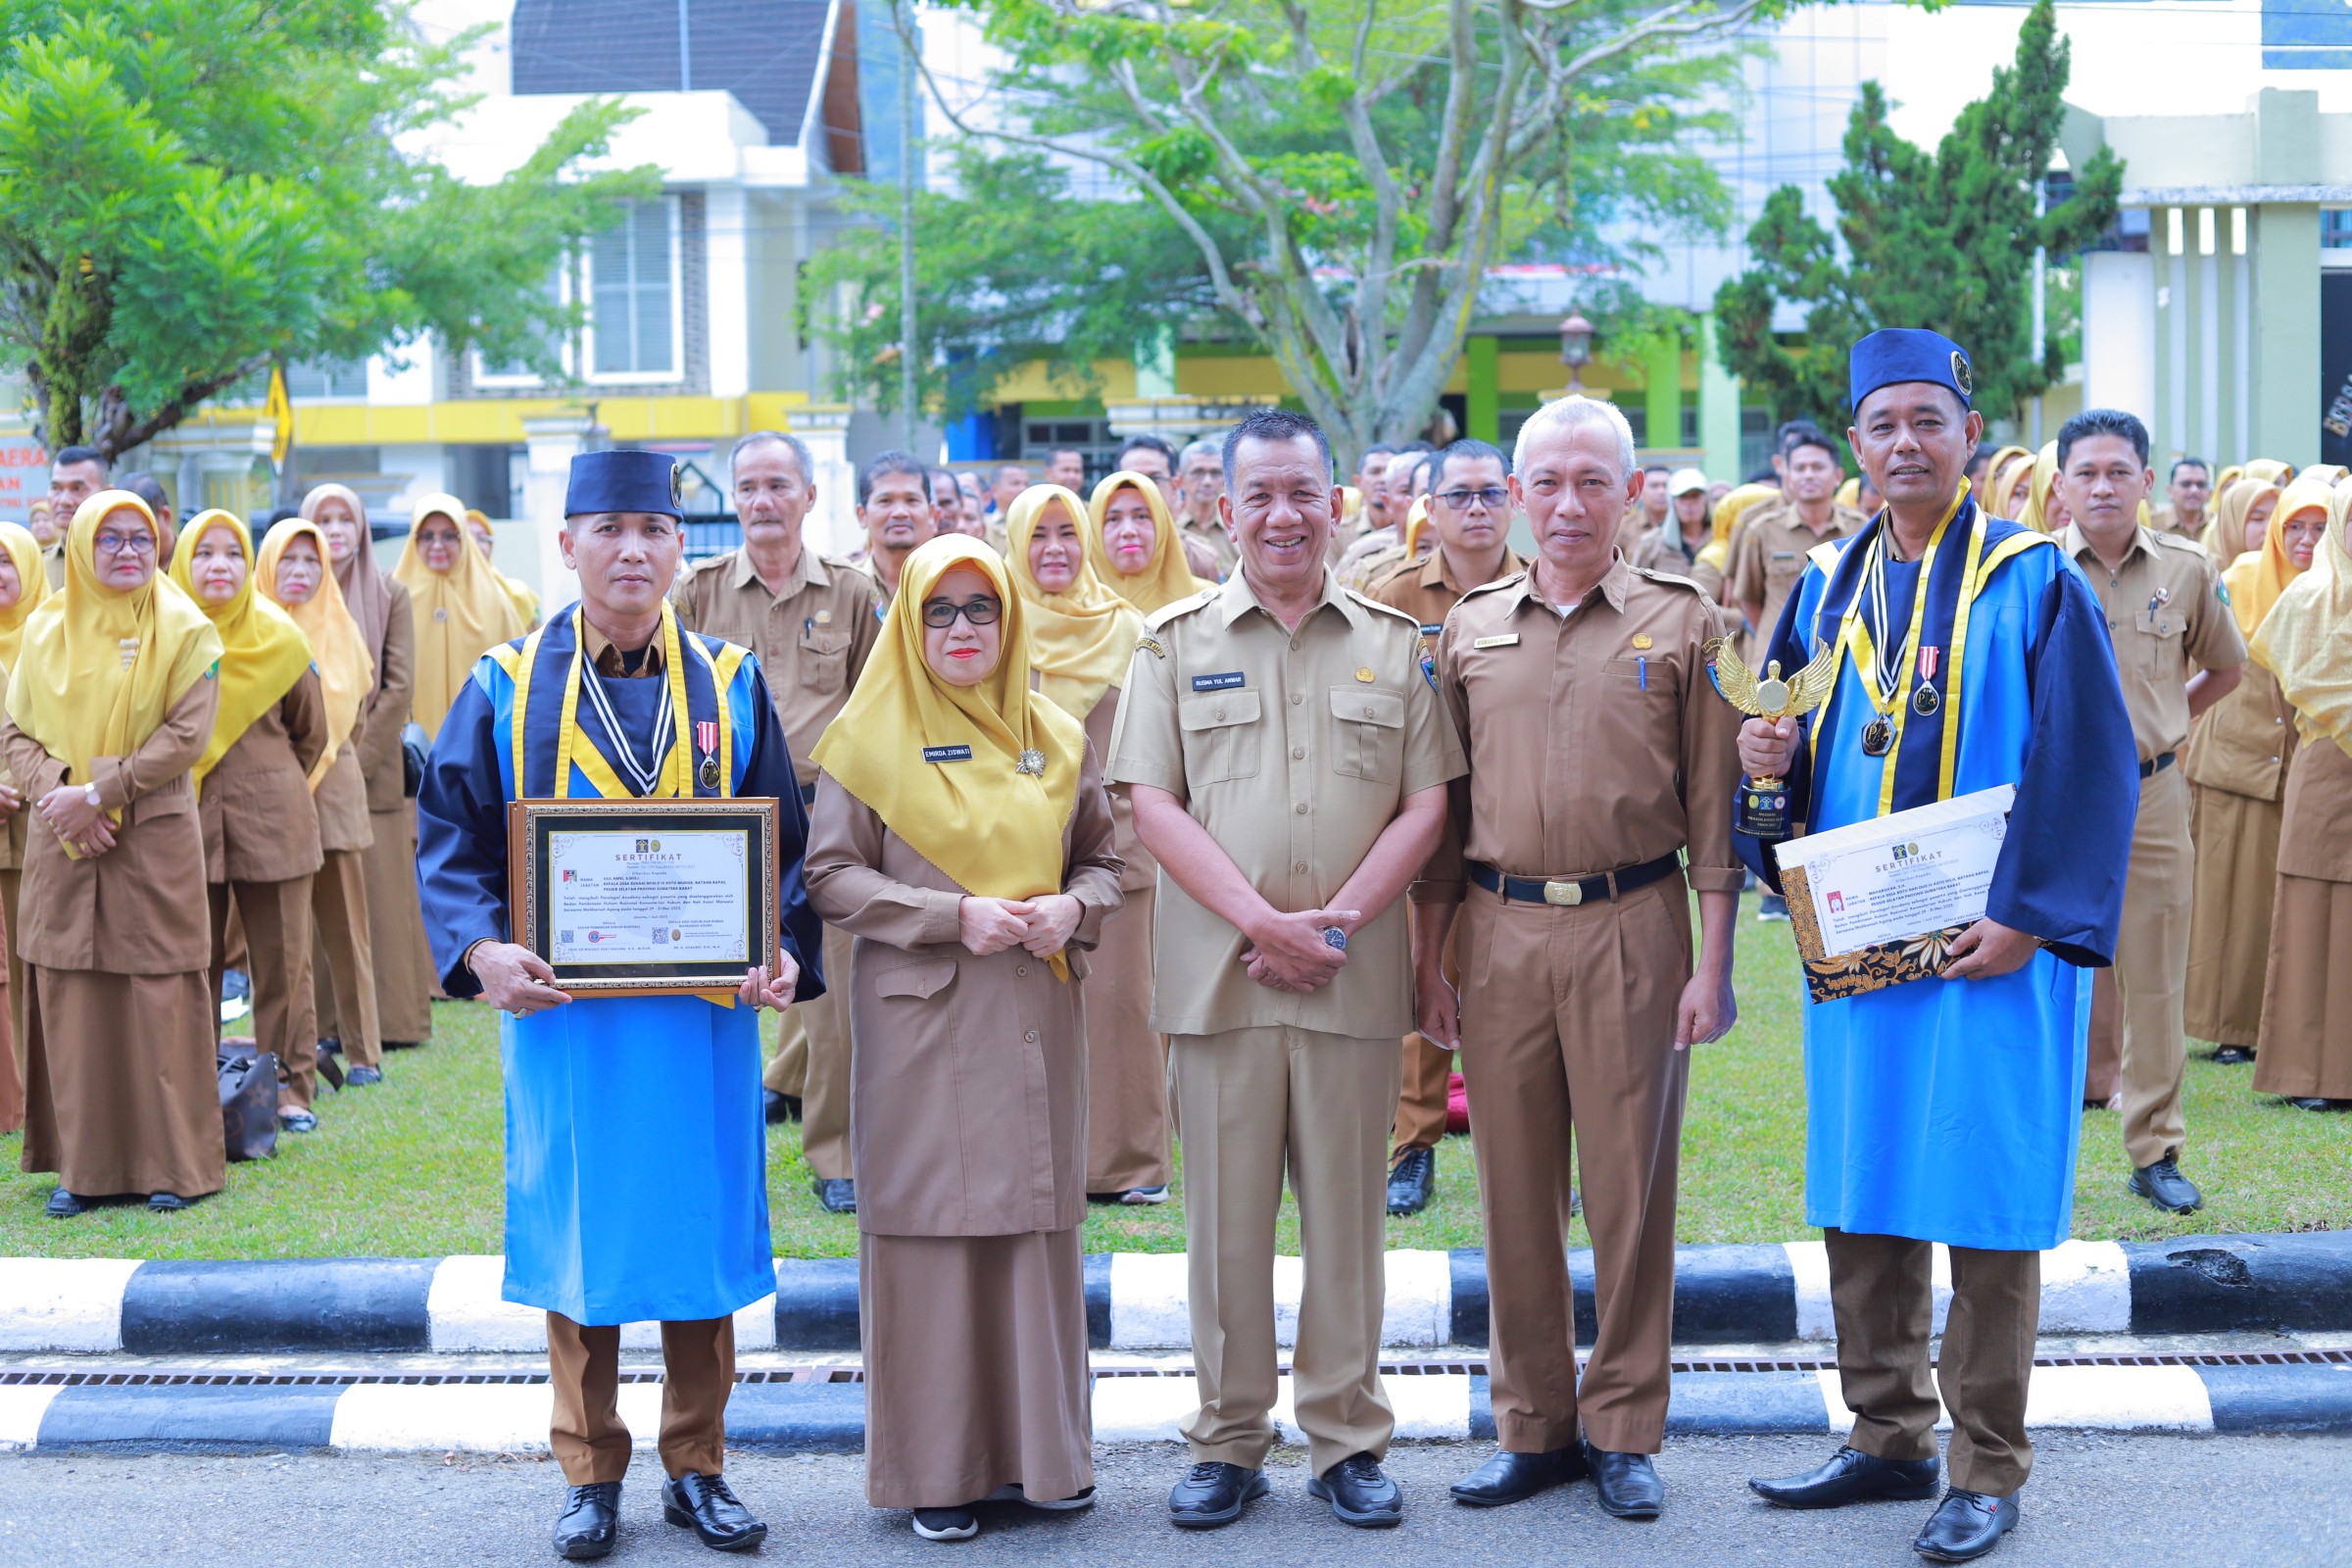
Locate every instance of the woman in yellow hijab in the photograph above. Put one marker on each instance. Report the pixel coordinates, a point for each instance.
(2306, 642)
(260, 833)
(478, 529)
(2009, 486)
(110, 705)
(296, 571)
(1714, 559)
(23, 584)
(961, 833)
(1133, 545)
(2236, 765)
(2240, 512)
(2042, 510)
(1081, 639)
(462, 606)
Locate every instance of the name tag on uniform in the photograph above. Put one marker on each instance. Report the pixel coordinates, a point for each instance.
(1431, 631)
(1226, 682)
(947, 754)
(1783, 554)
(1508, 640)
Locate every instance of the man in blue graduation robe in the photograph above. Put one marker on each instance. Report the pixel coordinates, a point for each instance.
(636, 1150)
(1971, 654)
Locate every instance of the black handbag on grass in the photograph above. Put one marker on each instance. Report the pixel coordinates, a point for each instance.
(248, 1099)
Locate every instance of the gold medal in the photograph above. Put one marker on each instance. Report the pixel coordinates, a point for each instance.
(1877, 737)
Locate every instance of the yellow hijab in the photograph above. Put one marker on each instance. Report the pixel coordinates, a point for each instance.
(2003, 479)
(2256, 579)
(1717, 552)
(2270, 470)
(1165, 578)
(992, 819)
(461, 613)
(2037, 512)
(2306, 639)
(1080, 639)
(346, 669)
(526, 602)
(1414, 522)
(262, 653)
(33, 587)
(1849, 494)
(2224, 535)
(98, 669)
(2001, 459)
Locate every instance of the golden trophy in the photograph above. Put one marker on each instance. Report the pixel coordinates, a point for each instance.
(1761, 809)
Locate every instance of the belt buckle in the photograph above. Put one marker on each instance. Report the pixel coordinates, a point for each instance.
(1570, 894)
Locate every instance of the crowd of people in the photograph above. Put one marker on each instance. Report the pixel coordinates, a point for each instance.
(1173, 805)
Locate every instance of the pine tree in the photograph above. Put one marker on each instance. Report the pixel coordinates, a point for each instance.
(1945, 242)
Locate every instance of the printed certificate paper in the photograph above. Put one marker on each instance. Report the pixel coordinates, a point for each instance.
(666, 896)
(1878, 902)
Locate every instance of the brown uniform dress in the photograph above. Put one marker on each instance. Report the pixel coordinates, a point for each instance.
(1769, 556)
(261, 849)
(1295, 749)
(2164, 612)
(120, 1092)
(813, 641)
(13, 838)
(343, 954)
(1126, 1059)
(1597, 744)
(2306, 1039)
(971, 1286)
(1427, 591)
(2238, 751)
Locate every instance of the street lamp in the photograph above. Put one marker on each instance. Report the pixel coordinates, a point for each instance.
(1576, 348)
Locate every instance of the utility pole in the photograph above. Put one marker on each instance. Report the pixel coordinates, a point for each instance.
(909, 379)
(2041, 201)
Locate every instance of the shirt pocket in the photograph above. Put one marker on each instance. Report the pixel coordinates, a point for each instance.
(920, 981)
(1367, 733)
(2163, 621)
(1221, 736)
(824, 659)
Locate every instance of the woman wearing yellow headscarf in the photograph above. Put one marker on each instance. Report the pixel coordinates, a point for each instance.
(110, 705)
(296, 573)
(1709, 570)
(2042, 510)
(2306, 643)
(1132, 544)
(23, 584)
(961, 833)
(526, 601)
(462, 606)
(2240, 509)
(261, 834)
(2009, 486)
(2236, 764)
(1081, 637)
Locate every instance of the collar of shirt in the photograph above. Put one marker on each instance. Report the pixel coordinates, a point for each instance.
(809, 570)
(1612, 586)
(606, 657)
(2076, 545)
(1237, 599)
(1438, 573)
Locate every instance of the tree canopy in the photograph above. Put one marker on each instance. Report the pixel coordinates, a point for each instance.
(1945, 242)
(190, 189)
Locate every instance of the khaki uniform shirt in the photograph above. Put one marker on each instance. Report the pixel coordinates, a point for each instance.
(2165, 610)
(1427, 590)
(1595, 738)
(813, 639)
(260, 823)
(1770, 555)
(1295, 749)
(1664, 549)
(1211, 534)
(2169, 521)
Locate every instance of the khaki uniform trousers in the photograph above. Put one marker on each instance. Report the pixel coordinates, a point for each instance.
(589, 1438)
(1428, 1075)
(1568, 1019)
(277, 917)
(1250, 1104)
(343, 963)
(1882, 1294)
(2151, 969)
(813, 1063)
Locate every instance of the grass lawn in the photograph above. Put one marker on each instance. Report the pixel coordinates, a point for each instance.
(413, 1168)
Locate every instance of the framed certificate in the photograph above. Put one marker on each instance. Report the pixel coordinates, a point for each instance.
(644, 898)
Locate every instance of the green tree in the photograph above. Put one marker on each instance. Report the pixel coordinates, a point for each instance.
(190, 189)
(1346, 173)
(1945, 242)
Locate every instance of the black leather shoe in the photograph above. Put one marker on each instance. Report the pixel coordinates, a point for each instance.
(703, 1504)
(2163, 1185)
(1628, 1482)
(1413, 1182)
(402, 1045)
(1966, 1526)
(1213, 1493)
(585, 1527)
(2234, 1057)
(782, 1107)
(2314, 1102)
(1516, 1477)
(64, 1204)
(838, 1194)
(1851, 1476)
(167, 1202)
(1360, 1492)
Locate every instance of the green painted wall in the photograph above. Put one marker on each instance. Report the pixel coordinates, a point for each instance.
(2285, 412)
(1718, 408)
(1662, 390)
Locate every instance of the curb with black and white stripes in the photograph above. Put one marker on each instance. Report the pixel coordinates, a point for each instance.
(1732, 1295)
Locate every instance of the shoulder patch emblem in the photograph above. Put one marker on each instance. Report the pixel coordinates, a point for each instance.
(2220, 590)
(1152, 646)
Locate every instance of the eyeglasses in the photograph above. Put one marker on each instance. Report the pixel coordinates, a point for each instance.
(1459, 500)
(125, 544)
(939, 614)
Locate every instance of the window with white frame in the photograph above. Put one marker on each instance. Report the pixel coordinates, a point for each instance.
(338, 381)
(633, 299)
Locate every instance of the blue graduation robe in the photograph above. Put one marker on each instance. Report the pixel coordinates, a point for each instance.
(636, 1146)
(1950, 1110)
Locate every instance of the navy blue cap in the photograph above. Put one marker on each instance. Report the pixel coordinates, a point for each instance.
(624, 481)
(1906, 354)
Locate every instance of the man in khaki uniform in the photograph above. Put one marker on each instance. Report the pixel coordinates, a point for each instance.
(1470, 512)
(1199, 481)
(1286, 760)
(1599, 753)
(1770, 554)
(2191, 492)
(813, 620)
(1673, 546)
(894, 507)
(2166, 610)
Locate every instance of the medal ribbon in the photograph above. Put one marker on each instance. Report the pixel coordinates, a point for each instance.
(1854, 642)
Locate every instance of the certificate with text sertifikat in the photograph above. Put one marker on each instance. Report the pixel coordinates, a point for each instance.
(1899, 877)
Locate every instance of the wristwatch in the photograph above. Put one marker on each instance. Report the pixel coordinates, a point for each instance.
(89, 793)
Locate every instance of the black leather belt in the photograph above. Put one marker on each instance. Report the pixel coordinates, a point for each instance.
(807, 794)
(2152, 768)
(1605, 886)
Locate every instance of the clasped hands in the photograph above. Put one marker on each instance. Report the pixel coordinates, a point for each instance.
(516, 980)
(69, 814)
(1042, 926)
(1288, 950)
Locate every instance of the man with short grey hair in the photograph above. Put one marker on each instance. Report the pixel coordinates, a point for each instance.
(1199, 482)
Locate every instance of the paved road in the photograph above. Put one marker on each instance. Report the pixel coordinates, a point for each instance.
(2132, 1501)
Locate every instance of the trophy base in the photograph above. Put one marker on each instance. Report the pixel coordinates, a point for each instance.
(1761, 808)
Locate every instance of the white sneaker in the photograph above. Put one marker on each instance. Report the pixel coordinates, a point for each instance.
(946, 1524)
(1140, 1196)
